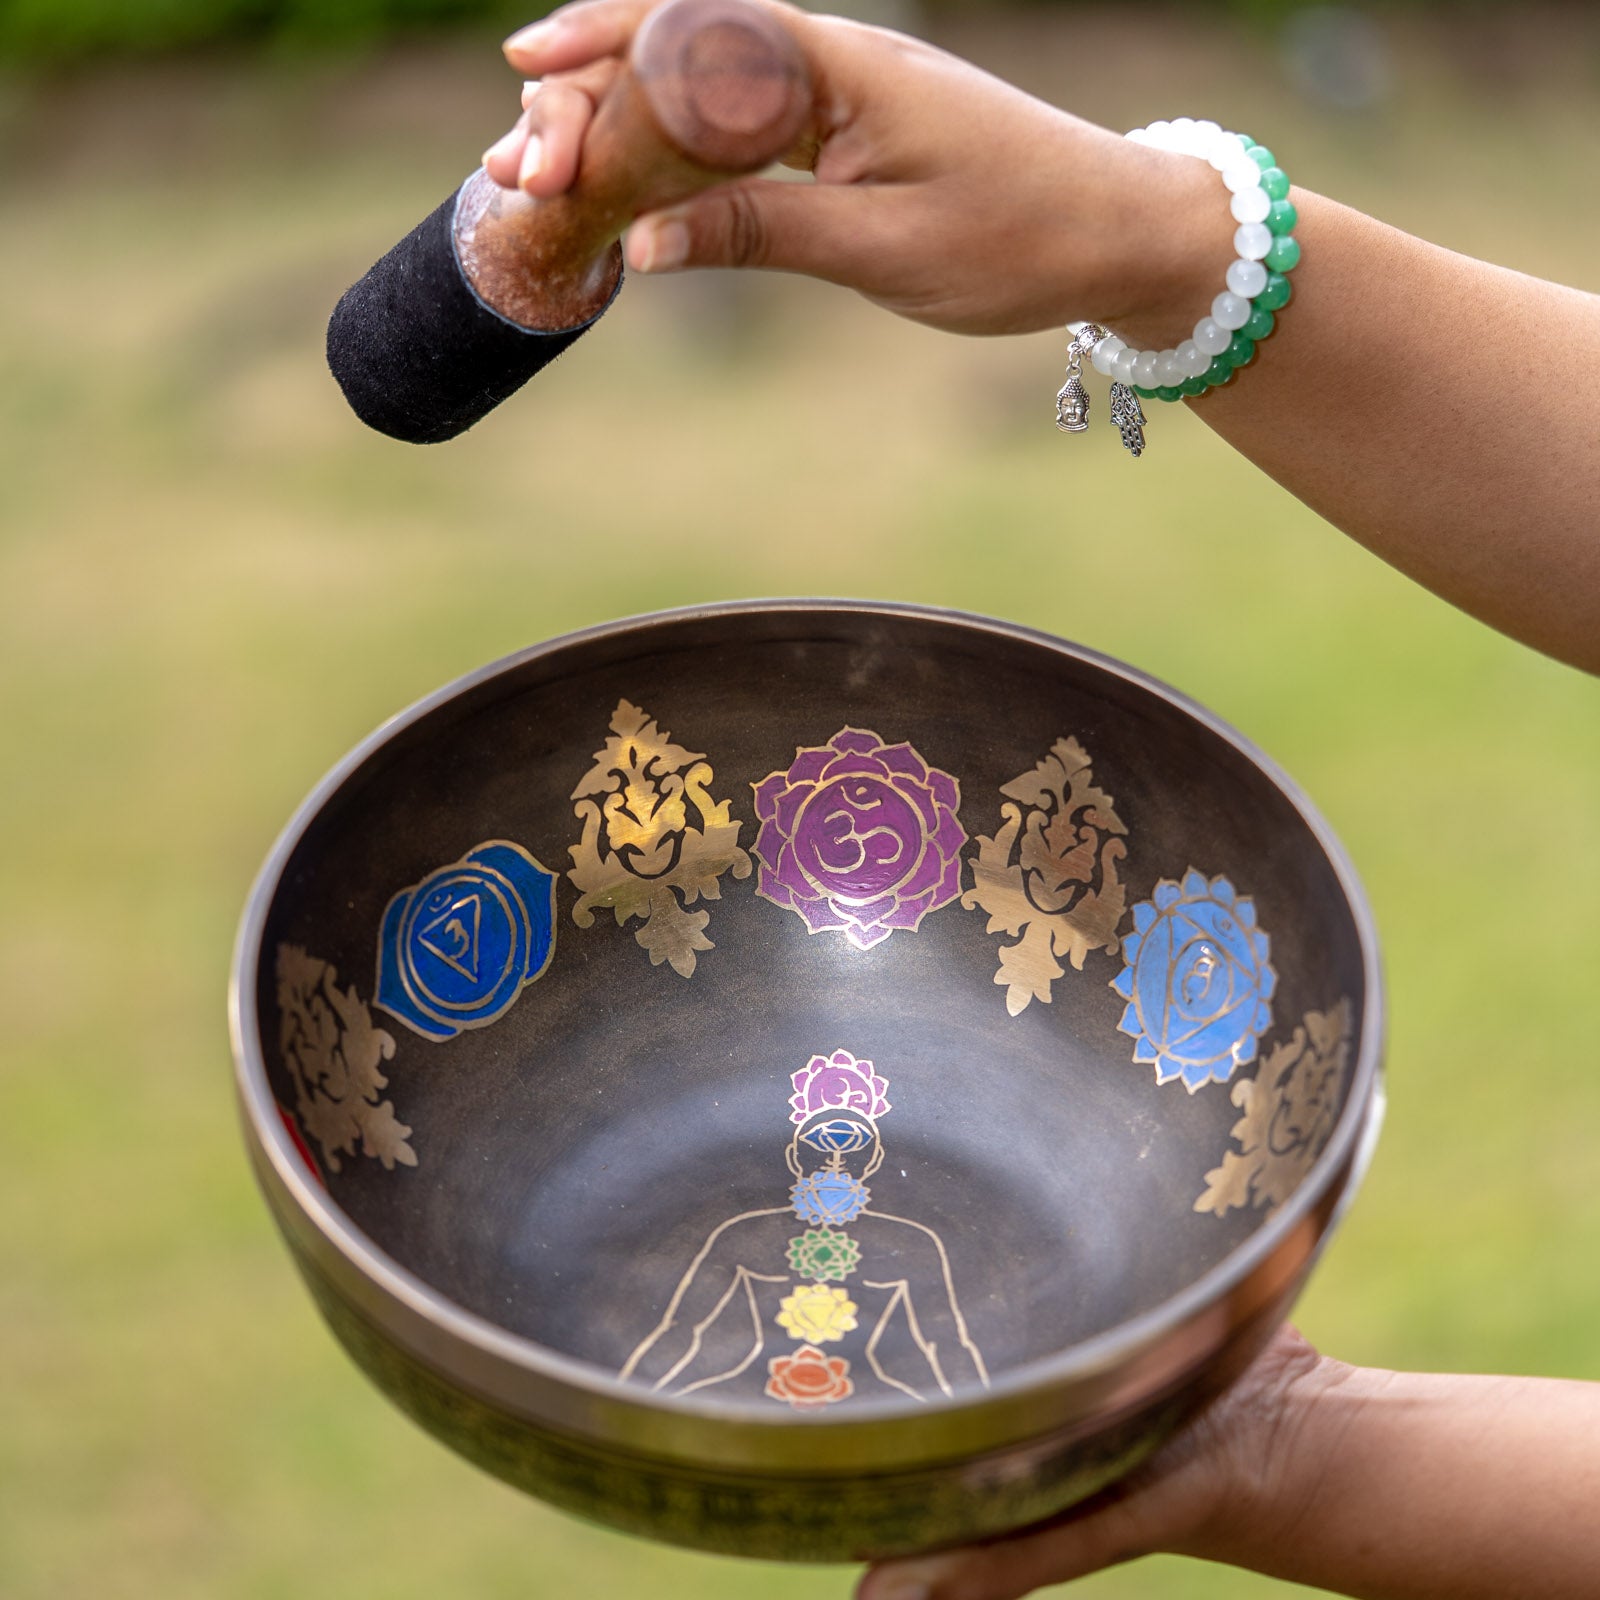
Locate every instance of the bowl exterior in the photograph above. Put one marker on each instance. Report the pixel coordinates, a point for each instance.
(846, 1515)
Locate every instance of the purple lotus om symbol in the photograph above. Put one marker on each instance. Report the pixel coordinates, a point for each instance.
(859, 836)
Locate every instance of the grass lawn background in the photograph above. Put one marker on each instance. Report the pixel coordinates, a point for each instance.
(214, 582)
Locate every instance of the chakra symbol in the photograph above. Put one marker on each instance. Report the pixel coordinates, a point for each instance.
(839, 1136)
(824, 1254)
(809, 1378)
(838, 1083)
(816, 1313)
(859, 836)
(1197, 982)
(827, 1196)
(456, 950)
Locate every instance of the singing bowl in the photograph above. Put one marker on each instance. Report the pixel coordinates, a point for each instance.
(807, 1080)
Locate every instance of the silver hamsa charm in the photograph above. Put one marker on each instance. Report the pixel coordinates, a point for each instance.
(1127, 417)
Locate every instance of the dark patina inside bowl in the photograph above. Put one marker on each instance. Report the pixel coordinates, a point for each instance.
(805, 1079)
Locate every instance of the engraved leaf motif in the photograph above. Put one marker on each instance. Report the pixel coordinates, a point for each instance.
(1296, 1089)
(1028, 968)
(639, 854)
(333, 1050)
(672, 934)
(1049, 875)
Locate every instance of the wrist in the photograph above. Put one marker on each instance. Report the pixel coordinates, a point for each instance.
(1277, 1433)
(1166, 243)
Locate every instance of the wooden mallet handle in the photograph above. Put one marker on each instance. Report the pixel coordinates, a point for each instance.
(712, 89)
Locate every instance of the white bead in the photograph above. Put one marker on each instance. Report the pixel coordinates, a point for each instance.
(1241, 175)
(1247, 278)
(1252, 240)
(1211, 337)
(1122, 365)
(1144, 368)
(1167, 369)
(1192, 359)
(1139, 136)
(1104, 354)
(1231, 311)
(1159, 133)
(1250, 205)
(1208, 130)
(1228, 152)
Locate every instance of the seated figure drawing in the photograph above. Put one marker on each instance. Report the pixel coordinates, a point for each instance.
(825, 1297)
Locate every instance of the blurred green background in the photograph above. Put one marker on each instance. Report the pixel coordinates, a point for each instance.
(214, 582)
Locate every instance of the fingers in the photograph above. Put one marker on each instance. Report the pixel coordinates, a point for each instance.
(541, 152)
(576, 35)
(761, 222)
(1009, 1568)
(503, 159)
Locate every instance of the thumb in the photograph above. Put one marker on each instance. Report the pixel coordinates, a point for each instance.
(761, 222)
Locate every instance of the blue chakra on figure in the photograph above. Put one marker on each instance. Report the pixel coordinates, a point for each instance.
(457, 949)
(1198, 984)
(829, 1197)
(838, 1136)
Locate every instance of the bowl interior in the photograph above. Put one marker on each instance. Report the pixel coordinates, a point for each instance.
(783, 1005)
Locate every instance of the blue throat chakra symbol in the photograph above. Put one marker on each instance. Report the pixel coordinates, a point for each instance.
(826, 1197)
(456, 950)
(1197, 981)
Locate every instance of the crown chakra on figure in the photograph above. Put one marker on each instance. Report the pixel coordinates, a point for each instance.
(838, 1083)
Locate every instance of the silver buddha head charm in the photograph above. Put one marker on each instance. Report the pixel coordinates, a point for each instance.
(1072, 406)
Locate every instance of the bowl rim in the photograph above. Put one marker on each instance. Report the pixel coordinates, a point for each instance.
(1275, 1253)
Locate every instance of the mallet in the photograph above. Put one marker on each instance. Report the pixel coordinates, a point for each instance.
(494, 285)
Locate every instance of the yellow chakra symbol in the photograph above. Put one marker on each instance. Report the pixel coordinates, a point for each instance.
(816, 1313)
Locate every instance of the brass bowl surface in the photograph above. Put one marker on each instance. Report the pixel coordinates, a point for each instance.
(807, 1079)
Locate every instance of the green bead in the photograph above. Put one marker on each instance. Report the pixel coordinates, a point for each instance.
(1218, 372)
(1193, 386)
(1240, 352)
(1168, 392)
(1260, 324)
(1246, 141)
(1276, 294)
(1142, 392)
(1282, 217)
(1262, 156)
(1284, 254)
(1276, 182)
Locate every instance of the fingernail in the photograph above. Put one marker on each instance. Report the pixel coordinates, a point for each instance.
(532, 160)
(531, 37)
(666, 245)
(503, 145)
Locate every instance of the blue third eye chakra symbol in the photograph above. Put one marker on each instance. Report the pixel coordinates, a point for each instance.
(1197, 982)
(456, 950)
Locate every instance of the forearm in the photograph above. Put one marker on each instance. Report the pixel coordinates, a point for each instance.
(1397, 1486)
(1444, 412)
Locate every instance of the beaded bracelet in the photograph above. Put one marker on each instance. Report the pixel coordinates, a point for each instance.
(1241, 316)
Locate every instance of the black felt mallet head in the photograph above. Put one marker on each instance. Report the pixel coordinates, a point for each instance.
(494, 285)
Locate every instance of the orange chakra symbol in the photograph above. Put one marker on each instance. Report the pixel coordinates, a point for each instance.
(809, 1379)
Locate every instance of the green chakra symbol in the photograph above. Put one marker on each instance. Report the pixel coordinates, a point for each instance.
(824, 1254)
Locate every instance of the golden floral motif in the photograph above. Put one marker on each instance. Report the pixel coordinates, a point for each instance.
(816, 1313)
(332, 1051)
(1049, 874)
(640, 855)
(1289, 1108)
(809, 1379)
